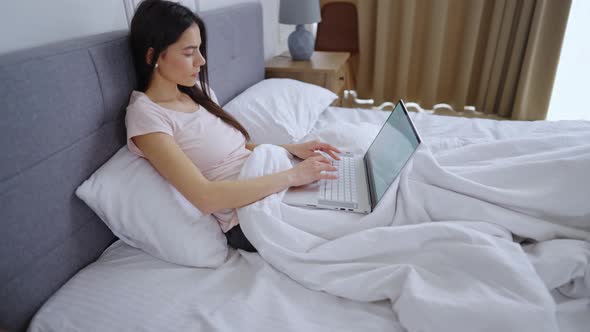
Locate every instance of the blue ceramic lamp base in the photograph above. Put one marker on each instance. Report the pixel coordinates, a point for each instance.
(300, 43)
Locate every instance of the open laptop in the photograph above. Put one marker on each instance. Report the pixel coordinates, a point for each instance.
(362, 180)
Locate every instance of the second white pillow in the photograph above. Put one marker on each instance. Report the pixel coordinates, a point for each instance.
(279, 110)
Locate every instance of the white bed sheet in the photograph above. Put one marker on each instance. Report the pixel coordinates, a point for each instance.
(126, 289)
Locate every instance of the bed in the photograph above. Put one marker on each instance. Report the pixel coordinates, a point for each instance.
(63, 106)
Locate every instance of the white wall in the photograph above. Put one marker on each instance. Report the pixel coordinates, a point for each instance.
(29, 23)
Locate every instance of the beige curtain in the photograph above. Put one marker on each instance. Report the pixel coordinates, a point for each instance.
(499, 56)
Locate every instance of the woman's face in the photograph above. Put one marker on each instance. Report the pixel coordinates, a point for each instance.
(180, 63)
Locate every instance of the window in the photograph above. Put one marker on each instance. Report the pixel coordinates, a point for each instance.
(570, 98)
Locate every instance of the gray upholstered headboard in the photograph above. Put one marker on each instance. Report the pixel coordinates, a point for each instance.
(62, 109)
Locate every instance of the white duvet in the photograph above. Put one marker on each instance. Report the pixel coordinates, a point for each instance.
(443, 244)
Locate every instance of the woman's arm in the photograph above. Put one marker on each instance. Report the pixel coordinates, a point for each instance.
(210, 196)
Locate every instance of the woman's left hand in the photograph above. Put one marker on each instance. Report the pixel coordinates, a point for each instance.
(308, 149)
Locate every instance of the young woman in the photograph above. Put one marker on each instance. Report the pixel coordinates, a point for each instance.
(174, 121)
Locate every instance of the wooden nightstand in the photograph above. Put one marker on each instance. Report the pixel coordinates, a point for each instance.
(326, 69)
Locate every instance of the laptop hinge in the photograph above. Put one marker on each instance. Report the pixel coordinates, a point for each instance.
(369, 182)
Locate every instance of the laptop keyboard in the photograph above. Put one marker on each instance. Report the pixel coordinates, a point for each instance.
(342, 191)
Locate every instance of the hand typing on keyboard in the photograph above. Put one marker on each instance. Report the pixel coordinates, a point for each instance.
(312, 149)
(310, 170)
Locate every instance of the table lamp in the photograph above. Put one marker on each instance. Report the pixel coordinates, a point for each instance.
(300, 12)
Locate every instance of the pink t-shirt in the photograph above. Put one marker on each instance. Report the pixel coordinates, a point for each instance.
(216, 148)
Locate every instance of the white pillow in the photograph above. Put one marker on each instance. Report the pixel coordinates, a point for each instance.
(279, 110)
(145, 211)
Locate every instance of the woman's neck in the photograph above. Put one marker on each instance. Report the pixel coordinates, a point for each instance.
(161, 90)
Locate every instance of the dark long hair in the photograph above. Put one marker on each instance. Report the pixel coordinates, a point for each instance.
(159, 23)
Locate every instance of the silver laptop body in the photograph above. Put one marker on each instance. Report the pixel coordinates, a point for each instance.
(362, 180)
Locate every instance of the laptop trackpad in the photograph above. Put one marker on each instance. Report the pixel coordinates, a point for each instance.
(306, 195)
(308, 188)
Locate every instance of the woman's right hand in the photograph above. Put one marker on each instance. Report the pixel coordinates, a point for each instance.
(312, 169)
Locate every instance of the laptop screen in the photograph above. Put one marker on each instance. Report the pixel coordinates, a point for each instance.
(392, 148)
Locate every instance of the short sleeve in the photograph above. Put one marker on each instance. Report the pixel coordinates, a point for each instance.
(144, 120)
